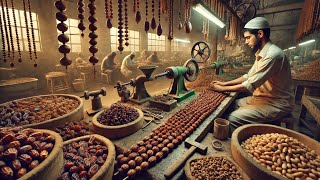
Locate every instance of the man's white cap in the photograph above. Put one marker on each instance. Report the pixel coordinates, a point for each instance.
(257, 23)
(133, 53)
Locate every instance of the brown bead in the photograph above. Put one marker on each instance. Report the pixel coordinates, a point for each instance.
(125, 167)
(144, 166)
(144, 156)
(131, 173)
(133, 155)
(152, 160)
(124, 160)
(155, 149)
(132, 164)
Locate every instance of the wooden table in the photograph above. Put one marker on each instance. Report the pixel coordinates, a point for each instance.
(306, 84)
(201, 133)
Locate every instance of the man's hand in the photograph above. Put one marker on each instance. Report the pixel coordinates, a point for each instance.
(217, 87)
(218, 83)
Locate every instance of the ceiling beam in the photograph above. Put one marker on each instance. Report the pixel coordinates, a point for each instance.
(280, 8)
(283, 27)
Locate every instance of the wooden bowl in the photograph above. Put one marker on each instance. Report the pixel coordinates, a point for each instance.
(106, 170)
(75, 115)
(248, 164)
(190, 177)
(52, 166)
(117, 131)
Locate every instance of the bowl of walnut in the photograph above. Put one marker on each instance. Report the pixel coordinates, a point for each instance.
(213, 167)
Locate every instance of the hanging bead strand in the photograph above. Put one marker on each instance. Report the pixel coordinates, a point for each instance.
(159, 29)
(10, 33)
(3, 40)
(126, 22)
(153, 20)
(16, 30)
(81, 25)
(5, 28)
(179, 14)
(93, 27)
(63, 38)
(27, 29)
(33, 37)
(138, 14)
(146, 24)
(170, 36)
(120, 27)
(108, 7)
(187, 23)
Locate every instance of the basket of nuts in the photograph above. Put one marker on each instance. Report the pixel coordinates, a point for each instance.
(43, 112)
(117, 121)
(213, 167)
(88, 157)
(30, 154)
(271, 152)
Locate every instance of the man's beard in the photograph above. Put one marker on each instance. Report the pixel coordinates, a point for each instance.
(257, 45)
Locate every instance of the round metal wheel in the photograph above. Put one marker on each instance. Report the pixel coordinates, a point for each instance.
(200, 52)
(246, 11)
(193, 70)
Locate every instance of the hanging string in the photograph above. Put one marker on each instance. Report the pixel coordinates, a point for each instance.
(120, 27)
(10, 33)
(16, 29)
(3, 41)
(5, 28)
(159, 29)
(27, 29)
(93, 27)
(81, 25)
(33, 38)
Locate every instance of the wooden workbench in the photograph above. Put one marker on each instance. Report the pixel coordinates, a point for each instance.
(201, 132)
(303, 85)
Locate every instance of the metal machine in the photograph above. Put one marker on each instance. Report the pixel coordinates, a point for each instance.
(96, 104)
(140, 94)
(189, 71)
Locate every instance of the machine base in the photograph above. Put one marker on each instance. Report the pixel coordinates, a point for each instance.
(183, 96)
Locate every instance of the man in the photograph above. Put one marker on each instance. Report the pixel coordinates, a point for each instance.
(107, 64)
(269, 80)
(153, 58)
(129, 66)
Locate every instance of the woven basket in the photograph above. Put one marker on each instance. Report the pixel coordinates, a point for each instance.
(117, 131)
(106, 170)
(52, 166)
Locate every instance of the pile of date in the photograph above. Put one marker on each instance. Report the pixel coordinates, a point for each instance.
(22, 150)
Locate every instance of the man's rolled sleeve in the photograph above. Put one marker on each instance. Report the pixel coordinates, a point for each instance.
(245, 76)
(248, 85)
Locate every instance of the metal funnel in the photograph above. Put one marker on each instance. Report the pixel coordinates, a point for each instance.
(147, 70)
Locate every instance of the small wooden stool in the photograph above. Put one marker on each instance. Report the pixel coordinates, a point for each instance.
(57, 81)
(288, 120)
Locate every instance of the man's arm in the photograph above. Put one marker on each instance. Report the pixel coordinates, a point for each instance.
(235, 81)
(232, 88)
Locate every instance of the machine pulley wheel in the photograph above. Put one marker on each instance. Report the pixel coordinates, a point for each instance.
(193, 70)
(200, 52)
